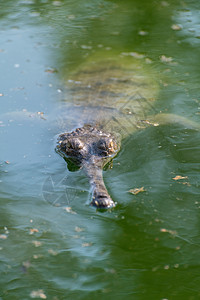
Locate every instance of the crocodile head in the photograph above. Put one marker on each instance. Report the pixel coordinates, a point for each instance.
(91, 149)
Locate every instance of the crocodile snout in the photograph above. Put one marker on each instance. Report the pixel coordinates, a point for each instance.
(101, 199)
(91, 149)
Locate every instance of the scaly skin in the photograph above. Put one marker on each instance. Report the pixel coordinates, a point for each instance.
(91, 149)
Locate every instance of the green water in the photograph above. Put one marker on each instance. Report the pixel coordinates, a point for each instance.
(148, 247)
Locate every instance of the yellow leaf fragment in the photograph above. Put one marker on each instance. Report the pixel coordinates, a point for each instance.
(137, 190)
(33, 230)
(38, 294)
(172, 232)
(178, 177)
(186, 183)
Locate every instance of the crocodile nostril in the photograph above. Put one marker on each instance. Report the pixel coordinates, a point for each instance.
(102, 201)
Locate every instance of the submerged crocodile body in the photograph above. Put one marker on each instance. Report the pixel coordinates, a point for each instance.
(112, 96)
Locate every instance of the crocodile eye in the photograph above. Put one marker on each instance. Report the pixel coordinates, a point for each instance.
(73, 144)
(68, 145)
(76, 144)
(102, 145)
(106, 146)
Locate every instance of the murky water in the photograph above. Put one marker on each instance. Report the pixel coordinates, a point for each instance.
(52, 244)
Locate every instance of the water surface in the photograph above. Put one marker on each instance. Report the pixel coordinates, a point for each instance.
(52, 244)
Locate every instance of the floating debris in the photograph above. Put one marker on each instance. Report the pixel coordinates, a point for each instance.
(178, 177)
(56, 3)
(69, 210)
(79, 229)
(172, 232)
(133, 54)
(143, 33)
(51, 70)
(186, 183)
(3, 236)
(137, 190)
(166, 267)
(150, 123)
(86, 47)
(52, 252)
(33, 230)
(165, 59)
(35, 256)
(38, 294)
(37, 243)
(41, 114)
(86, 244)
(148, 61)
(176, 27)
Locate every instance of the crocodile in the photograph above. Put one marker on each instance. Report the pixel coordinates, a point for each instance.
(112, 96)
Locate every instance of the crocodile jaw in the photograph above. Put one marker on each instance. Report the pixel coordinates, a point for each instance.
(94, 171)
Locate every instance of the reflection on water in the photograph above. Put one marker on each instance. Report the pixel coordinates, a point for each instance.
(52, 244)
